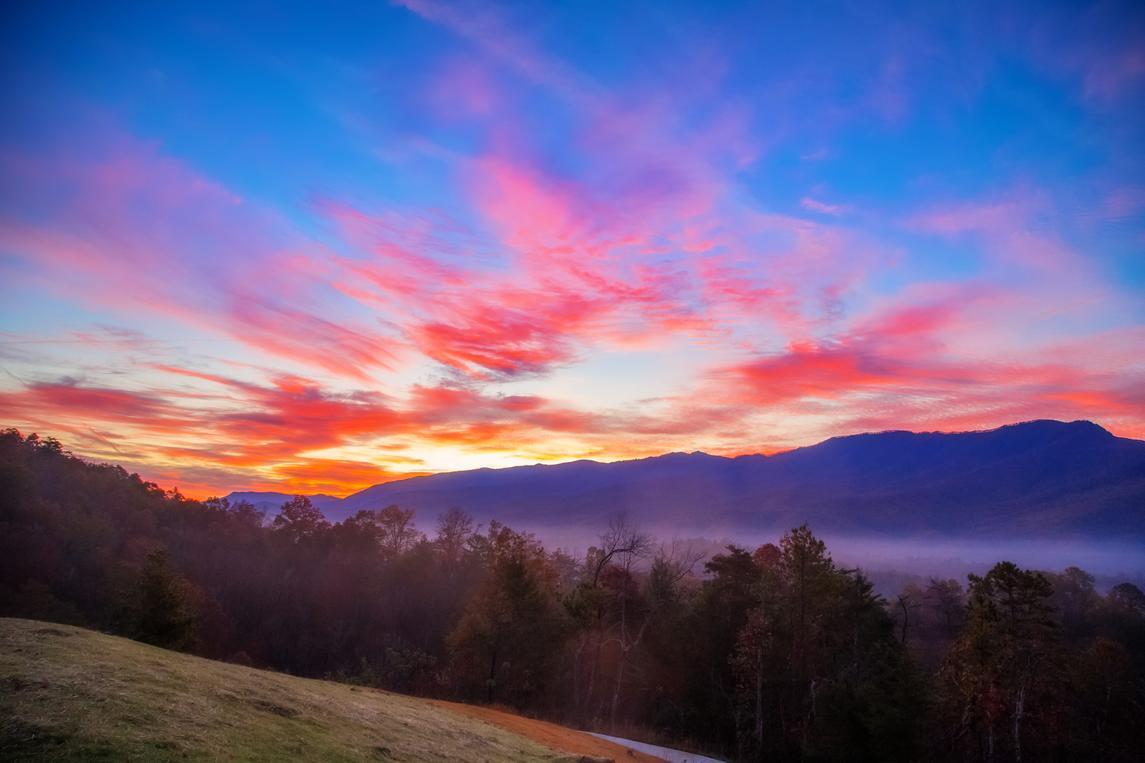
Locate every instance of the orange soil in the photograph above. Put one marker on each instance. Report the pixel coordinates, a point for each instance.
(550, 734)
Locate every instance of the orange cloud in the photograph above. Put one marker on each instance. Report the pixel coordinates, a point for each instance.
(789, 329)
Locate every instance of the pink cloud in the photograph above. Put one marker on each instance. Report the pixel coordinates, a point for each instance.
(135, 231)
(1016, 229)
(645, 236)
(1108, 77)
(822, 207)
(895, 370)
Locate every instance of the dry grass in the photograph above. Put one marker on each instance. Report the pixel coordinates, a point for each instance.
(73, 694)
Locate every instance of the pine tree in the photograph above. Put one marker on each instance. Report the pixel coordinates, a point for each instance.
(1003, 676)
(163, 615)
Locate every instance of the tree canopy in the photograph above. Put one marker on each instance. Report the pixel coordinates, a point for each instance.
(771, 653)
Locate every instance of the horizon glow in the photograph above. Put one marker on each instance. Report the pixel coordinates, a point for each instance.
(273, 248)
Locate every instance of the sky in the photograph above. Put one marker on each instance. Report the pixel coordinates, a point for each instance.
(312, 247)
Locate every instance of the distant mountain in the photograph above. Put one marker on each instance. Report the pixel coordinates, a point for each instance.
(272, 502)
(1039, 478)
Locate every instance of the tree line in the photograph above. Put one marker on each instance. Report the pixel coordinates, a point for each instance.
(773, 653)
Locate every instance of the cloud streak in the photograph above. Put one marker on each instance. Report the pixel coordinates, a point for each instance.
(528, 237)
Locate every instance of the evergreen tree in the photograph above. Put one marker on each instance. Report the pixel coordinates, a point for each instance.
(162, 612)
(1003, 678)
(509, 634)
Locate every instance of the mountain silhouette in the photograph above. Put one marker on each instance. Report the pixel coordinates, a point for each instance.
(1038, 478)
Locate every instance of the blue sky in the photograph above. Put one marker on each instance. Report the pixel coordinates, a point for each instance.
(281, 245)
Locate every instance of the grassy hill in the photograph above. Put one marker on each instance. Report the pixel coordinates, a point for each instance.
(73, 694)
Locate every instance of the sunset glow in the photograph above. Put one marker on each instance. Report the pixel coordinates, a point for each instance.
(314, 251)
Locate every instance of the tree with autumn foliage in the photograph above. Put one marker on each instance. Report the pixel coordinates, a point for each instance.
(299, 520)
(777, 653)
(505, 645)
(819, 672)
(1004, 678)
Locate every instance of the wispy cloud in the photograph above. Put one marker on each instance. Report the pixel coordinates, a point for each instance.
(520, 240)
(815, 205)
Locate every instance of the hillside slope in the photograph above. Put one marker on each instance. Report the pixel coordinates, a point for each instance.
(73, 694)
(1039, 478)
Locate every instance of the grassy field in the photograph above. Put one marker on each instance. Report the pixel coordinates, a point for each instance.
(73, 694)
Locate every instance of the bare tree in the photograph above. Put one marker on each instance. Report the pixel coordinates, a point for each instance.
(668, 568)
(454, 530)
(397, 533)
(620, 545)
(622, 542)
(906, 603)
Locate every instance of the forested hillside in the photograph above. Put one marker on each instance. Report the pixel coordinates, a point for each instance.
(767, 653)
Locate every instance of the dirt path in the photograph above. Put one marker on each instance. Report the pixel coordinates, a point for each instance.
(551, 735)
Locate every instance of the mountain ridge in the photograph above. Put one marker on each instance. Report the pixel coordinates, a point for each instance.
(1037, 477)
